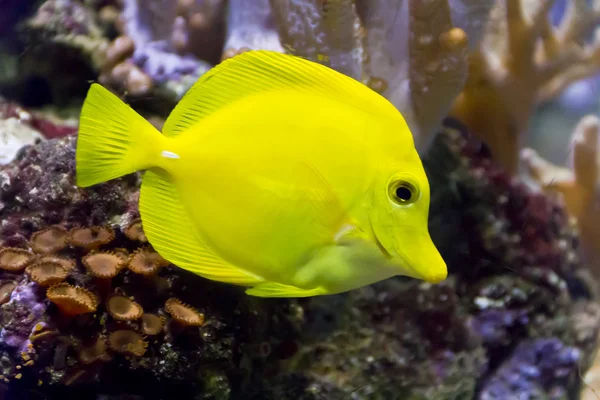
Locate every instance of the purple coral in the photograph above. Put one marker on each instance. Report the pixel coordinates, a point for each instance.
(21, 316)
(164, 42)
(536, 368)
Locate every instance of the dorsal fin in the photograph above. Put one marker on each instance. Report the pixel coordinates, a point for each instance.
(262, 70)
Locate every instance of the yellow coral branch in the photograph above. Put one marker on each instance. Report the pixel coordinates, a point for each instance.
(523, 60)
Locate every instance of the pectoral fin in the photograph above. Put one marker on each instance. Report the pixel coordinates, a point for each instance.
(171, 233)
(272, 289)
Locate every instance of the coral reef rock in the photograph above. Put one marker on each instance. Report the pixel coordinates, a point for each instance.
(19, 127)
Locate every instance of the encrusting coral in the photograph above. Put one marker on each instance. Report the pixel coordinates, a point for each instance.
(523, 60)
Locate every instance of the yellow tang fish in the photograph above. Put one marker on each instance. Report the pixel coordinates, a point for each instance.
(272, 172)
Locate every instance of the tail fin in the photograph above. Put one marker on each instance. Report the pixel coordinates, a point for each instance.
(113, 139)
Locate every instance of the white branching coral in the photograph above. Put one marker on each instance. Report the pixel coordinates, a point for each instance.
(523, 60)
(411, 51)
(327, 32)
(250, 26)
(417, 58)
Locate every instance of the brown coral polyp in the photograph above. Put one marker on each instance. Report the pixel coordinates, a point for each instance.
(13, 259)
(92, 237)
(72, 300)
(67, 263)
(6, 289)
(49, 240)
(96, 351)
(183, 313)
(127, 342)
(146, 262)
(103, 265)
(152, 324)
(122, 308)
(47, 273)
(135, 231)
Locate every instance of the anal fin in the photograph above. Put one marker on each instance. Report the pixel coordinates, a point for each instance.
(272, 289)
(171, 233)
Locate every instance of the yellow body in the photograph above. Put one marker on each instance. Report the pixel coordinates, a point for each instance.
(272, 172)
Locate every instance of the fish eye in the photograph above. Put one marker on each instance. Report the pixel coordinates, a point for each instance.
(403, 192)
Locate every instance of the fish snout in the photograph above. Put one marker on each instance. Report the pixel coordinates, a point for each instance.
(422, 260)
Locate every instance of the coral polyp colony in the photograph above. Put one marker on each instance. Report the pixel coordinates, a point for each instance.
(79, 274)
